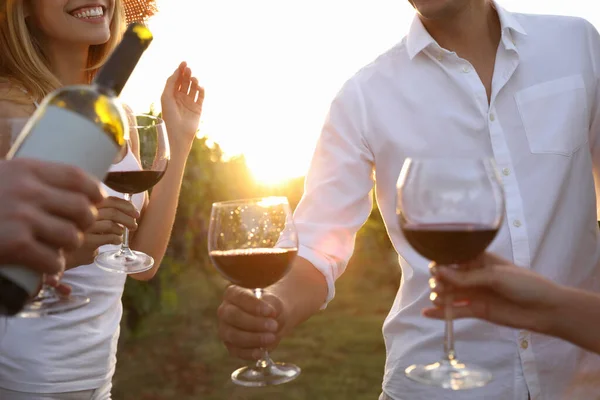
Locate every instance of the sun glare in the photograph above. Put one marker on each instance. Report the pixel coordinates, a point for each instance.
(272, 172)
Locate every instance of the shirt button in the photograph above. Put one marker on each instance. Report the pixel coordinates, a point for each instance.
(517, 223)
(524, 344)
(440, 57)
(506, 171)
(466, 69)
(492, 117)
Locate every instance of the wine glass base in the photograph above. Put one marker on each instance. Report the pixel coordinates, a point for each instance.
(449, 375)
(52, 305)
(275, 374)
(117, 262)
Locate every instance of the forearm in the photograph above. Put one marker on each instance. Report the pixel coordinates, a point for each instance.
(578, 319)
(154, 231)
(303, 291)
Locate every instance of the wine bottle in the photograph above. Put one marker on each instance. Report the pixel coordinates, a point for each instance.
(79, 125)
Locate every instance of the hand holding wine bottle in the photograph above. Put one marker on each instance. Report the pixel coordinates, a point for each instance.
(45, 207)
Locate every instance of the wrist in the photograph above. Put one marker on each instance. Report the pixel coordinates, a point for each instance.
(564, 304)
(180, 151)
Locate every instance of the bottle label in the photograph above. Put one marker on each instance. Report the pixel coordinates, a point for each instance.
(61, 135)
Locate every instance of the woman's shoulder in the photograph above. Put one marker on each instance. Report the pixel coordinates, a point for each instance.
(14, 102)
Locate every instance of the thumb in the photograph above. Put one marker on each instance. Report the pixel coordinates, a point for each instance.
(465, 311)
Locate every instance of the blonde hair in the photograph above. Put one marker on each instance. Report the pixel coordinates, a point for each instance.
(23, 63)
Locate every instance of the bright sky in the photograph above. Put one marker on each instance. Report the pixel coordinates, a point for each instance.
(271, 67)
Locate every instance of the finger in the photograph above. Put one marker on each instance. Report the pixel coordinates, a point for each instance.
(37, 256)
(68, 178)
(480, 277)
(245, 340)
(54, 231)
(173, 82)
(437, 285)
(244, 354)
(62, 203)
(51, 280)
(126, 207)
(194, 88)
(440, 313)
(93, 241)
(477, 262)
(118, 217)
(185, 81)
(200, 97)
(234, 316)
(106, 227)
(63, 289)
(246, 301)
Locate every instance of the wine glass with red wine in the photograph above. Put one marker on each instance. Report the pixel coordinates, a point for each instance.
(253, 243)
(47, 301)
(450, 210)
(154, 154)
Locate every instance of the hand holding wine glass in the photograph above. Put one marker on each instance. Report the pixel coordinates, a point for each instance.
(253, 243)
(449, 210)
(499, 292)
(114, 214)
(154, 155)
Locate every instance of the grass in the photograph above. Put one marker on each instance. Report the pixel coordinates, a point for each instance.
(177, 354)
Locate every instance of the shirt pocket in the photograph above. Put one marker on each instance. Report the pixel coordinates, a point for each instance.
(555, 115)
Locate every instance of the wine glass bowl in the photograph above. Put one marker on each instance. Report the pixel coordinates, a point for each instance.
(154, 156)
(253, 243)
(449, 210)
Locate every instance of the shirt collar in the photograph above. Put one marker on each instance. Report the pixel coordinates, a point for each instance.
(419, 39)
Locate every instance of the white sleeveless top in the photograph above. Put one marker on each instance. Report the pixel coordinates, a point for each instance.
(72, 351)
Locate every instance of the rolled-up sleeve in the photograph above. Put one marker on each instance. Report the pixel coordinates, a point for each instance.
(337, 195)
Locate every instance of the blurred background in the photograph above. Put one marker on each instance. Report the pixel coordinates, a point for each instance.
(270, 69)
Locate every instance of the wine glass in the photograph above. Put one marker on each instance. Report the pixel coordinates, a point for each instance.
(449, 210)
(154, 156)
(47, 301)
(253, 243)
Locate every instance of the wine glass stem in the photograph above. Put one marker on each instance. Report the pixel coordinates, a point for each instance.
(45, 292)
(265, 361)
(450, 354)
(125, 245)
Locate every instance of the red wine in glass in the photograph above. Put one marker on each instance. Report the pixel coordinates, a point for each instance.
(448, 244)
(253, 243)
(449, 210)
(154, 155)
(132, 181)
(253, 268)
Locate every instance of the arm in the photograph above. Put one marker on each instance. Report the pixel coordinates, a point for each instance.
(578, 318)
(158, 216)
(181, 107)
(335, 204)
